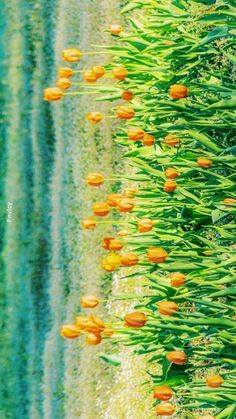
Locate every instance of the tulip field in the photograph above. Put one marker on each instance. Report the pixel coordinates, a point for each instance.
(169, 225)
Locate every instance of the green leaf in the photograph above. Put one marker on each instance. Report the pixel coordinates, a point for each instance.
(110, 359)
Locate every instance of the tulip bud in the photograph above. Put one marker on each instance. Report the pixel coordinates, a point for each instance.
(170, 186)
(95, 179)
(94, 325)
(148, 140)
(71, 55)
(106, 242)
(89, 223)
(108, 331)
(119, 73)
(111, 262)
(177, 357)
(156, 254)
(135, 319)
(177, 279)
(135, 134)
(130, 192)
(81, 322)
(115, 29)
(64, 83)
(89, 301)
(90, 76)
(113, 199)
(230, 201)
(52, 93)
(125, 205)
(122, 233)
(127, 95)
(99, 71)
(115, 245)
(125, 112)
(167, 308)
(145, 225)
(163, 393)
(65, 72)
(129, 259)
(94, 117)
(203, 162)
(92, 339)
(69, 331)
(171, 140)
(101, 209)
(214, 381)
(165, 409)
(171, 173)
(178, 91)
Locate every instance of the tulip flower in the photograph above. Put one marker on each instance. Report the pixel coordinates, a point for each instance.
(135, 134)
(99, 71)
(127, 95)
(178, 91)
(167, 308)
(165, 409)
(115, 29)
(108, 331)
(111, 262)
(94, 325)
(129, 259)
(52, 93)
(170, 186)
(130, 192)
(90, 76)
(230, 201)
(65, 72)
(163, 393)
(81, 322)
(115, 245)
(70, 331)
(171, 173)
(64, 83)
(171, 140)
(71, 55)
(106, 242)
(177, 357)
(93, 339)
(204, 163)
(89, 223)
(214, 381)
(145, 225)
(122, 233)
(125, 112)
(89, 301)
(113, 199)
(125, 205)
(95, 179)
(101, 209)
(135, 319)
(148, 140)
(94, 117)
(156, 254)
(177, 279)
(119, 73)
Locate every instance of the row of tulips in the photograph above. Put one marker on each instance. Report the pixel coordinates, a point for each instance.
(179, 224)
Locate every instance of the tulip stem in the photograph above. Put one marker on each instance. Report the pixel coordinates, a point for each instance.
(96, 53)
(81, 93)
(112, 222)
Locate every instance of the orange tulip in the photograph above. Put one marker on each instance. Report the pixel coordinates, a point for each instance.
(101, 209)
(64, 83)
(81, 322)
(129, 259)
(94, 117)
(178, 91)
(148, 140)
(177, 357)
(89, 223)
(94, 325)
(130, 192)
(145, 225)
(113, 199)
(135, 319)
(165, 409)
(89, 301)
(135, 134)
(122, 233)
(156, 254)
(115, 245)
(52, 93)
(230, 201)
(115, 29)
(203, 162)
(167, 308)
(111, 262)
(90, 76)
(214, 381)
(71, 55)
(170, 186)
(69, 331)
(171, 140)
(127, 95)
(65, 72)
(92, 339)
(177, 279)
(163, 393)
(108, 331)
(95, 179)
(106, 242)
(125, 205)
(171, 173)
(99, 71)
(119, 73)
(125, 112)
